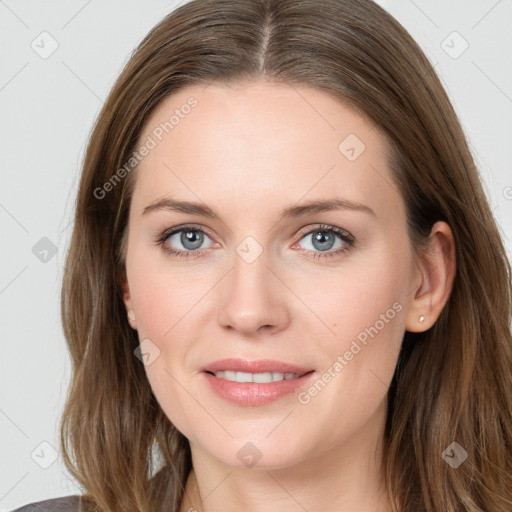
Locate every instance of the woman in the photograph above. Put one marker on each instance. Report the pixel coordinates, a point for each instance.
(285, 288)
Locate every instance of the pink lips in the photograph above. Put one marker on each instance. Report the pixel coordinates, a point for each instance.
(261, 366)
(253, 393)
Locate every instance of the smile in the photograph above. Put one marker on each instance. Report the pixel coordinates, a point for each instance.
(261, 378)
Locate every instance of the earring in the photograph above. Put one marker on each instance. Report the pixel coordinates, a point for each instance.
(422, 319)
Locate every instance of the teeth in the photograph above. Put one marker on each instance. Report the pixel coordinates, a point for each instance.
(261, 378)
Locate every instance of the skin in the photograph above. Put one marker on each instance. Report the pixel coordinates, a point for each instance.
(248, 152)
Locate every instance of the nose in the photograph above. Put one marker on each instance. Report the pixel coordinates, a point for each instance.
(252, 298)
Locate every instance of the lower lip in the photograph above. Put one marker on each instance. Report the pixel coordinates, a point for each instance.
(252, 393)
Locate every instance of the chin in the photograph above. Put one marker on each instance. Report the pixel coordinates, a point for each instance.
(242, 453)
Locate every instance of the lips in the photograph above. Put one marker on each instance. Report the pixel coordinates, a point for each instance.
(255, 383)
(258, 366)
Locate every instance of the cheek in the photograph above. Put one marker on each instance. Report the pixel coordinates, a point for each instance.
(365, 312)
(369, 294)
(167, 308)
(165, 300)
(359, 359)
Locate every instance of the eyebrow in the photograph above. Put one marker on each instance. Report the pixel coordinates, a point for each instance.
(310, 207)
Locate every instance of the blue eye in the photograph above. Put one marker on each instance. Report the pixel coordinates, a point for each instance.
(323, 239)
(190, 237)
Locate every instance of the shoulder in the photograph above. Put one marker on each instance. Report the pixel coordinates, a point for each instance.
(64, 504)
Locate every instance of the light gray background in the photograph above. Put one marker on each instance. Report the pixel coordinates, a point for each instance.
(47, 109)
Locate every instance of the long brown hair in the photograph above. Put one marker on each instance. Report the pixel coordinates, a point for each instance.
(453, 382)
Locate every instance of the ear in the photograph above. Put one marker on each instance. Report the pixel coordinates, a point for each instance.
(433, 279)
(127, 300)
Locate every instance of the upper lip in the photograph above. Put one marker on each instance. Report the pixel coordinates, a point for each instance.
(254, 366)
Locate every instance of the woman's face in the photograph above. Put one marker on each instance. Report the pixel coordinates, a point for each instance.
(324, 289)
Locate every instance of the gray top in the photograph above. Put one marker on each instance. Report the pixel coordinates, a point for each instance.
(64, 504)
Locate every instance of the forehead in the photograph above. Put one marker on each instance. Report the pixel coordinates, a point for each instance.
(260, 141)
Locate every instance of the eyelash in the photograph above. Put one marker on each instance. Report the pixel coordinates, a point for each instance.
(344, 235)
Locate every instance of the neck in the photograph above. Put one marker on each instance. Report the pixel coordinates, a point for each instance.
(345, 478)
